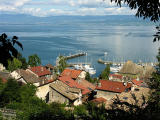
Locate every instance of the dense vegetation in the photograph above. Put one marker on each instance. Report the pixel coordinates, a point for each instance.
(105, 73)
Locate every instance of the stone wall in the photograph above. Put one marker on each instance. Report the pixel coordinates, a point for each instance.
(55, 96)
(42, 91)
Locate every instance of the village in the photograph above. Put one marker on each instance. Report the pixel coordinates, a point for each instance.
(71, 87)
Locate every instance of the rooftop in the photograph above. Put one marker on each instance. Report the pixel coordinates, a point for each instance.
(113, 86)
(116, 76)
(70, 82)
(72, 73)
(28, 76)
(64, 90)
(40, 71)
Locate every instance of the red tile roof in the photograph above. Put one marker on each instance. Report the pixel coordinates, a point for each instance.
(99, 100)
(70, 82)
(113, 86)
(116, 76)
(40, 71)
(87, 84)
(136, 82)
(3, 79)
(72, 73)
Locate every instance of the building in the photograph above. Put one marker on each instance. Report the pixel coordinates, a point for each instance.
(4, 76)
(115, 77)
(107, 89)
(40, 71)
(74, 74)
(50, 68)
(62, 93)
(2, 67)
(42, 83)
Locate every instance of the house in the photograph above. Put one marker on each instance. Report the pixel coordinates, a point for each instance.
(4, 76)
(2, 67)
(74, 74)
(72, 83)
(107, 89)
(42, 83)
(87, 89)
(139, 83)
(50, 68)
(40, 71)
(62, 93)
(25, 77)
(115, 77)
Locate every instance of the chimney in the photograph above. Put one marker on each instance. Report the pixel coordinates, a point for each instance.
(125, 83)
(132, 88)
(99, 85)
(137, 79)
(41, 68)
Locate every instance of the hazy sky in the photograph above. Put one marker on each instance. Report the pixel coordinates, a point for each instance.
(63, 7)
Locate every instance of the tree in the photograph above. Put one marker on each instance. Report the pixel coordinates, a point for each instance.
(157, 35)
(34, 60)
(105, 73)
(7, 49)
(10, 93)
(88, 77)
(14, 64)
(23, 61)
(62, 63)
(145, 8)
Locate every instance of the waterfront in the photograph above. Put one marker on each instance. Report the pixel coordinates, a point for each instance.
(123, 39)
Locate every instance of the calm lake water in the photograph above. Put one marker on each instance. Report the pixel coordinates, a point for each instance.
(122, 37)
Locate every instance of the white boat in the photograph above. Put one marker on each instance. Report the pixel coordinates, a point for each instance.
(115, 69)
(89, 69)
(78, 67)
(86, 68)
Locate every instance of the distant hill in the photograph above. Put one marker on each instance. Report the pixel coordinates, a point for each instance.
(28, 19)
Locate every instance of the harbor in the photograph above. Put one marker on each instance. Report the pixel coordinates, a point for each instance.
(121, 63)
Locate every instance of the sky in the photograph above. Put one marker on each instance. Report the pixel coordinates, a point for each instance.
(44, 8)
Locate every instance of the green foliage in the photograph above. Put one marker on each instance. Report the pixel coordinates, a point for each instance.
(34, 60)
(14, 64)
(7, 49)
(62, 64)
(10, 93)
(145, 8)
(1, 85)
(105, 73)
(95, 112)
(23, 61)
(88, 78)
(1, 117)
(80, 110)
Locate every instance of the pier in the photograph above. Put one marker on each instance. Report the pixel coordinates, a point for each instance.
(72, 64)
(75, 55)
(70, 57)
(121, 63)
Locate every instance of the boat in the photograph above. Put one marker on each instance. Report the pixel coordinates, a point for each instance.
(78, 67)
(89, 69)
(86, 68)
(115, 68)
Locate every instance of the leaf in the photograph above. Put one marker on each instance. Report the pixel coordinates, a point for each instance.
(19, 44)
